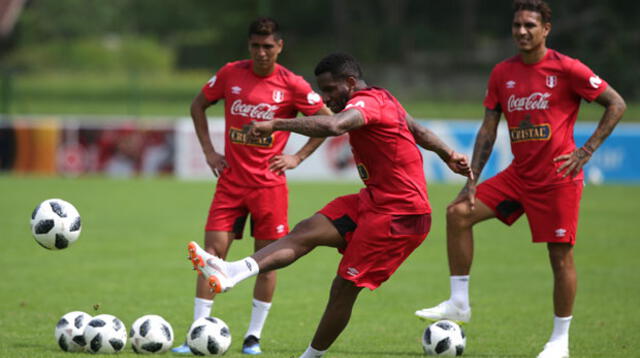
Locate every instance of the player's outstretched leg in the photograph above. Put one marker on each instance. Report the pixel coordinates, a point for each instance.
(213, 268)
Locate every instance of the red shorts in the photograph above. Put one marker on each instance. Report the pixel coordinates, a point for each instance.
(552, 211)
(377, 243)
(268, 208)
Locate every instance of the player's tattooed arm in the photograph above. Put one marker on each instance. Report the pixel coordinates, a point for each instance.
(614, 109)
(457, 162)
(314, 126)
(282, 162)
(485, 139)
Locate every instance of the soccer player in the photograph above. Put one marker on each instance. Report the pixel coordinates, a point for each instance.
(539, 91)
(375, 230)
(251, 179)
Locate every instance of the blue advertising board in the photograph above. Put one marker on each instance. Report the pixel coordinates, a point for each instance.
(616, 161)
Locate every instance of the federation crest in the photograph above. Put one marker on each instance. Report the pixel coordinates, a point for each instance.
(552, 81)
(278, 96)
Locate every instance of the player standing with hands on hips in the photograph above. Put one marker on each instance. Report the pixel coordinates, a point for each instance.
(375, 230)
(539, 91)
(251, 171)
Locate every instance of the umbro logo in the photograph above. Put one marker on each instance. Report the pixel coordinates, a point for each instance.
(236, 90)
(352, 271)
(561, 232)
(510, 84)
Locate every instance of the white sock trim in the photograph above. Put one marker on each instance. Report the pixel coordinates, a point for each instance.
(560, 331)
(460, 291)
(201, 308)
(259, 314)
(312, 353)
(242, 269)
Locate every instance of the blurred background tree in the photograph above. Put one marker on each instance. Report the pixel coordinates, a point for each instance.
(421, 50)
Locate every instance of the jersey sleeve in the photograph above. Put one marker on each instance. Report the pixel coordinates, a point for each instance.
(586, 83)
(213, 90)
(367, 105)
(306, 100)
(491, 98)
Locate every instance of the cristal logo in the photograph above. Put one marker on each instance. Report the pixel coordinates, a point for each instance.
(536, 100)
(257, 111)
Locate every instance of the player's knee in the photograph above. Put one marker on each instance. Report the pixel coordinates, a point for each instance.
(458, 215)
(561, 257)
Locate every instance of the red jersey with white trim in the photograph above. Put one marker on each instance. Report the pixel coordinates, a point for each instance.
(386, 155)
(540, 102)
(249, 97)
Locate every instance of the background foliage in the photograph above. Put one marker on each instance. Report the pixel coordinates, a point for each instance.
(421, 50)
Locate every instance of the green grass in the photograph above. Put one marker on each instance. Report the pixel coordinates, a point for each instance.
(169, 95)
(131, 260)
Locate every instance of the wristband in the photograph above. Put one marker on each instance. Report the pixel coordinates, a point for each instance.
(586, 150)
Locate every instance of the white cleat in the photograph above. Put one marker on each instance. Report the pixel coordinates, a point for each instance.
(446, 310)
(211, 267)
(554, 350)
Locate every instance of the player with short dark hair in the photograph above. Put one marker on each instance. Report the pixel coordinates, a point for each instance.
(252, 181)
(539, 91)
(376, 229)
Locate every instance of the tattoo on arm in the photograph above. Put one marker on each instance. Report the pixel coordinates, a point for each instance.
(485, 139)
(322, 126)
(614, 109)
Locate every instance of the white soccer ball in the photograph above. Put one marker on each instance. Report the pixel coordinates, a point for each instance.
(55, 224)
(70, 331)
(105, 334)
(209, 336)
(151, 334)
(444, 338)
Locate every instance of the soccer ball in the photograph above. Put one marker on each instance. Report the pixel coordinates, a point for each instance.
(208, 336)
(444, 338)
(151, 334)
(105, 334)
(70, 329)
(55, 224)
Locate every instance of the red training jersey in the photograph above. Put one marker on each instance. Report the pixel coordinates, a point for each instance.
(249, 97)
(386, 155)
(540, 102)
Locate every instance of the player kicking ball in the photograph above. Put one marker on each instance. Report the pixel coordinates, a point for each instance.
(376, 229)
(539, 91)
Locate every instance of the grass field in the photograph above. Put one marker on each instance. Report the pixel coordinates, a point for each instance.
(131, 260)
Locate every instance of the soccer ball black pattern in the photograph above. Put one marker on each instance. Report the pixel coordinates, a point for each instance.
(209, 336)
(151, 334)
(444, 338)
(105, 334)
(69, 331)
(55, 224)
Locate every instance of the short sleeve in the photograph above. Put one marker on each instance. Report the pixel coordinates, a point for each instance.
(491, 98)
(584, 82)
(368, 106)
(213, 90)
(305, 99)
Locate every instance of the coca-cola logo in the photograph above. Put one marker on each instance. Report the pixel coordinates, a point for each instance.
(256, 111)
(536, 100)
